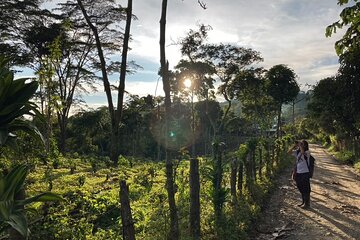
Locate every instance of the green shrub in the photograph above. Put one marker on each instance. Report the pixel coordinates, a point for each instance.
(81, 180)
(345, 157)
(357, 166)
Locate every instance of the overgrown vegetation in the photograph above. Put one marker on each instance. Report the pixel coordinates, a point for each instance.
(92, 208)
(153, 143)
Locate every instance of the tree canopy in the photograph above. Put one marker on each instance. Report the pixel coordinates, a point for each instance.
(349, 17)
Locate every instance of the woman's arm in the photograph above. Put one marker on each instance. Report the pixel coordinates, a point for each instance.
(291, 149)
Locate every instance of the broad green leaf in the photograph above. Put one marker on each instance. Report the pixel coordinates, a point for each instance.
(10, 108)
(25, 110)
(24, 94)
(5, 209)
(43, 197)
(28, 127)
(19, 222)
(32, 210)
(16, 86)
(14, 181)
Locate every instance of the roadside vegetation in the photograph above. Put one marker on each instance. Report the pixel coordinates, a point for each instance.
(182, 166)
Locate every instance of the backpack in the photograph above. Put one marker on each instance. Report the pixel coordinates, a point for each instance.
(310, 164)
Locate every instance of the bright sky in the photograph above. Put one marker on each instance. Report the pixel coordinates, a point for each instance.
(290, 32)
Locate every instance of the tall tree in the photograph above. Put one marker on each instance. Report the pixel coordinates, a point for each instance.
(195, 71)
(112, 12)
(349, 16)
(283, 88)
(251, 90)
(71, 54)
(28, 38)
(348, 49)
(325, 105)
(164, 71)
(14, 104)
(88, 132)
(17, 16)
(335, 101)
(228, 60)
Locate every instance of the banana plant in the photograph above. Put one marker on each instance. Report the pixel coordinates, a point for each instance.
(12, 211)
(14, 104)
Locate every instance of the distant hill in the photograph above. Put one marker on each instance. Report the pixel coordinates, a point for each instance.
(235, 106)
(300, 108)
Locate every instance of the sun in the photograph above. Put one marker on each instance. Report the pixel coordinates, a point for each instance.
(187, 83)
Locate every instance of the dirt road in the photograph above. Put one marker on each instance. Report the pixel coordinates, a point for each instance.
(335, 205)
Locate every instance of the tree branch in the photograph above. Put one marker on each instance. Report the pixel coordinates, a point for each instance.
(202, 4)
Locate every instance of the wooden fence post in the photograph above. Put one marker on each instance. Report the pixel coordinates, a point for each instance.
(126, 217)
(194, 199)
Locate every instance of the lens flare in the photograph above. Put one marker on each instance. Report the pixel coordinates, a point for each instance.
(178, 135)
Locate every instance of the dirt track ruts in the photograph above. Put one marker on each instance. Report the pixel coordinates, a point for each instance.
(335, 205)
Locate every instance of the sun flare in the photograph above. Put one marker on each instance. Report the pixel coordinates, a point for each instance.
(187, 83)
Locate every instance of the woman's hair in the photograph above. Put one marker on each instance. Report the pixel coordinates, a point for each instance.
(306, 145)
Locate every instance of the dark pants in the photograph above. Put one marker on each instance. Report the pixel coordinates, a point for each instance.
(303, 184)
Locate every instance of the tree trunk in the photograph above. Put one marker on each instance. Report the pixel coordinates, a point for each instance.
(218, 199)
(114, 144)
(272, 156)
(174, 224)
(240, 178)
(248, 171)
(126, 216)
(260, 162)
(194, 199)
(278, 131)
(293, 112)
(253, 160)
(163, 61)
(49, 131)
(112, 111)
(115, 114)
(125, 48)
(62, 120)
(233, 179)
(268, 160)
(356, 147)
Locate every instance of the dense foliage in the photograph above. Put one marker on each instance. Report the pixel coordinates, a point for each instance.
(335, 100)
(92, 209)
(153, 144)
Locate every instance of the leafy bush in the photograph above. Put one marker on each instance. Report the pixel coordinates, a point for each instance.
(81, 180)
(92, 207)
(345, 157)
(357, 166)
(12, 212)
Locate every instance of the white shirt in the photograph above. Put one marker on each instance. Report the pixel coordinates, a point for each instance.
(301, 165)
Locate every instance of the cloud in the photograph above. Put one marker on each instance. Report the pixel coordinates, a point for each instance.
(288, 32)
(98, 99)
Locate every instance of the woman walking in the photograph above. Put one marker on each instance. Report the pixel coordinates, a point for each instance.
(302, 171)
